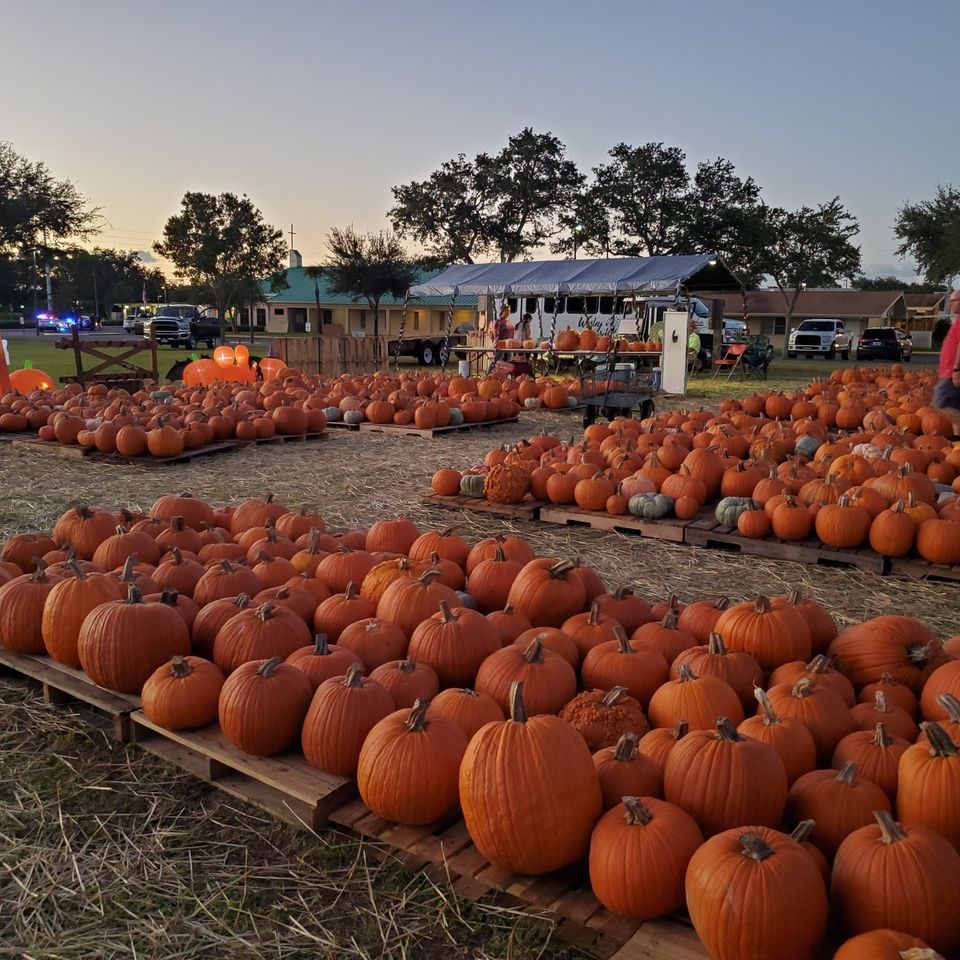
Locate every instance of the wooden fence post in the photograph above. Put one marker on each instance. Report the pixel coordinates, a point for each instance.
(78, 356)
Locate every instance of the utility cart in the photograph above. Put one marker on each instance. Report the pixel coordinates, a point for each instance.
(617, 386)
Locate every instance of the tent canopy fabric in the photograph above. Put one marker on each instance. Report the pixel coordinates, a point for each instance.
(544, 278)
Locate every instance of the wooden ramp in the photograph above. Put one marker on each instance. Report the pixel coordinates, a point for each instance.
(670, 528)
(446, 852)
(526, 509)
(709, 533)
(432, 432)
(284, 785)
(61, 684)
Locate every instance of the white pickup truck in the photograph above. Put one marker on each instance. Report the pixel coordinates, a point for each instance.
(824, 337)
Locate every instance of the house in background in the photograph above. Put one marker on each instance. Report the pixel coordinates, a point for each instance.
(295, 309)
(765, 310)
(923, 312)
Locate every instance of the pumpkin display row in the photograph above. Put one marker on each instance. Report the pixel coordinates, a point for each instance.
(892, 484)
(674, 743)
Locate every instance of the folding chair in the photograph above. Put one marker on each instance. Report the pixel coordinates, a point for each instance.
(731, 361)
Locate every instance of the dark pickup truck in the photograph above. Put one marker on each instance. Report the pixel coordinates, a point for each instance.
(182, 325)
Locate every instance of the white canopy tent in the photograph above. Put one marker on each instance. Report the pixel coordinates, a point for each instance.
(618, 277)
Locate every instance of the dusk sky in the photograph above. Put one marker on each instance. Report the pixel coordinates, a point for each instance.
(316, 109)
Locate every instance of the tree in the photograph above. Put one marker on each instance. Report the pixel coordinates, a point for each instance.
(930, 232)
(447, 212)
(36, 209)
(222, 244)
(507, 204)
(895, 283)
(93, 280)
(810, 247)
(643, 190)
(366, 267)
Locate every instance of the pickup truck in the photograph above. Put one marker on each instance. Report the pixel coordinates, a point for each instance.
(182, 325)
(826, 337)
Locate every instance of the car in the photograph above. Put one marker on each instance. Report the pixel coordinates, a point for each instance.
(824, 337)
(182, 325)
(885, 343)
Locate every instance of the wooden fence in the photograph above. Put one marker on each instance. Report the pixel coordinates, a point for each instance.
(332, 356)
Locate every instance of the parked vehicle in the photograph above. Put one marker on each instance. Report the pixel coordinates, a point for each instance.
(824, 337)
(885, 343)
(182, 325)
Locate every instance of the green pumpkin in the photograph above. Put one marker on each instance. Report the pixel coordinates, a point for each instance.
(650, 506)
(472, 485)
(456, 417)
(729, 509)
(806, 446)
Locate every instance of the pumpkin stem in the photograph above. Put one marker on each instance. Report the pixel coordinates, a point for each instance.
(847, 774)
(669, 621)
(314, 540)
(623, 641)
(819, 664)
(727, 731)
(803, 687)
(762, 605)
(180, 668)
(952, 706)
(801, 832)
(560, 569)
(919, 655)
(715, 645)
(128, 572)
(177, 557)
(518, 712)
(269, 667)
(320, 646)
(74, 568)
(354, 676)
(508, 610)
(428, 576)
(169, 596)
(417, 721)
(626, 748)
(593, 619)
(534, 650)
(351, 592)
(890, 830)
(498, 554)
(754, 847)
(880, 702)
(264, 557)
(637, 815)
(133, 594)
(612, 697)
(265, 611)
(940, 743)
(177, 524)
(880, 736)
(446, 614)
(241, 600)
(680, 729)
(226, 566)
(685, 673)
(406, 666)
(622, 592)
(769, 714)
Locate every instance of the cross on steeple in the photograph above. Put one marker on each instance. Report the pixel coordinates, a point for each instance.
(292, 235)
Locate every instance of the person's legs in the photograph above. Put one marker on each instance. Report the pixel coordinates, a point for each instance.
(946, 399)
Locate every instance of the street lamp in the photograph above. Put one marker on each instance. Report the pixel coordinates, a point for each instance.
(576, 233)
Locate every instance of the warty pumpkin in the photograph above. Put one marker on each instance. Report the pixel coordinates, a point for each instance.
(529, 791)
(602, 717)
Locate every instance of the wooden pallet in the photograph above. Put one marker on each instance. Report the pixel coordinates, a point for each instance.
(446, 852)
(708, 533)
(284, 785)
(340, 425)
(432, 432)
(64, 685)
(527, 509)
(280, 439)
(919, 569)
(670, 528)
(72, 451)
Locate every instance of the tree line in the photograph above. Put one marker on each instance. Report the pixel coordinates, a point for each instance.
(511, 204)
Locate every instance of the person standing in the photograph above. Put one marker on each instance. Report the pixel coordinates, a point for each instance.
(946, 393)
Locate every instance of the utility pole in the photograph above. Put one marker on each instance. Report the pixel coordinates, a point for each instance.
(33, 287)
(96, 298)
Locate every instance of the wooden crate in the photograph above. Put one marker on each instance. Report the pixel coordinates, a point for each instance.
(64, 685)
(284, 785)
(446, 852)
(919, 569)
(526, 509)
(708, 533)
(431, 432)
(670, 528)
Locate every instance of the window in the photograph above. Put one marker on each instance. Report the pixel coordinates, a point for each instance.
(278, 311)
(512, 303)
(530, 305)
(779, 325)
(261, 316)
(607, 304)
(550, 304)
(326, 316)
(574, 305)
(363, 319)
(416, 319)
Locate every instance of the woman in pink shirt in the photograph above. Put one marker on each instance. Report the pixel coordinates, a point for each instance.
(946, 394)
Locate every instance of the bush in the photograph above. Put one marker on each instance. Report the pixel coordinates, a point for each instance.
(940, 331)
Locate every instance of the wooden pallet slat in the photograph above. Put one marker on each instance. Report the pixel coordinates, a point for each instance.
(65, 685)
(285, 785)
(431, 432)
(670, 529)
(526, 509)
(920, 569)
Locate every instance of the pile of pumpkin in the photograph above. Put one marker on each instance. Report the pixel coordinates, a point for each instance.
(739, 759)
(844, 472)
